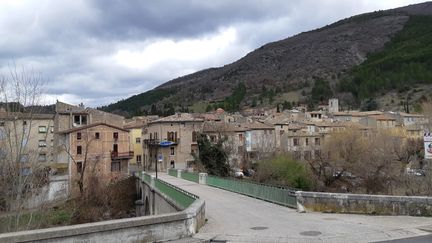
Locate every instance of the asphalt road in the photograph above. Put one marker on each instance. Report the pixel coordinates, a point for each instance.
(236, 218)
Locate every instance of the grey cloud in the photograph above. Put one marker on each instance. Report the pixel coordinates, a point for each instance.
(72, 42)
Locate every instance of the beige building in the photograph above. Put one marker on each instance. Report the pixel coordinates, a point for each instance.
(30, 136)
(178, 135)
(379, 121)
(102, 150)
(69, 116)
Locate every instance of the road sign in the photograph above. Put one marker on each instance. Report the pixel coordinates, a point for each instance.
(166, 143)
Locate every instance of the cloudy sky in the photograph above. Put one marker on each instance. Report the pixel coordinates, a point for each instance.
(100, 51)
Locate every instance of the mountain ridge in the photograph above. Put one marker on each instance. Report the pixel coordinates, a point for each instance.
(293, 63)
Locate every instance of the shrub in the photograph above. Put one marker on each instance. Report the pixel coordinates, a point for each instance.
(283, 170)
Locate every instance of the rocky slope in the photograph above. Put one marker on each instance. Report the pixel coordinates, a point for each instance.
(327, 53)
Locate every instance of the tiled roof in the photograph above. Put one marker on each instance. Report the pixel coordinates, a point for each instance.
(180, 117)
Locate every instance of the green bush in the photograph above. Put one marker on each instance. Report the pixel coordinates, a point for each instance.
(283, 170)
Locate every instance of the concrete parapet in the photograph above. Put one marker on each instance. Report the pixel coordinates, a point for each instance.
(202, 178)
(364, 204)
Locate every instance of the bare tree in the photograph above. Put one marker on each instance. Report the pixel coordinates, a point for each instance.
(21, 175)
(370, 159)
(86, 167)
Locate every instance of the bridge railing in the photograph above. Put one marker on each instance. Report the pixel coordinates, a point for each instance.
(172, 172)
(181, 198)
(275, 194)
(190, 176)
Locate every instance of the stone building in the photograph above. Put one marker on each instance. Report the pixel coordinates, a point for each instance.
(29, 136)
(69, 116)
(101, 149)
(171, 141)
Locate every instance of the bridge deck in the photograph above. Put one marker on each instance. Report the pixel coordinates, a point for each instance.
(238, 218)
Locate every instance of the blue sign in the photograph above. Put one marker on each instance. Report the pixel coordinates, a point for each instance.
(166, 143)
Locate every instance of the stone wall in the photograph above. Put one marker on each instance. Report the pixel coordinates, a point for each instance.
(363, 204)
(141, 229)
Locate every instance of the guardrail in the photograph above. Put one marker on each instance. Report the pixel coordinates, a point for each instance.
(190, 176)
(172, 172)
(274, 194)
(271, 193)
(180, 197)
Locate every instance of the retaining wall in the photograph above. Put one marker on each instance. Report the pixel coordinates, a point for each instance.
(363, 204)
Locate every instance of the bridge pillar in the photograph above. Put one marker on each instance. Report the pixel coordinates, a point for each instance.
(152, 182)
(179, 173)
(202, 179)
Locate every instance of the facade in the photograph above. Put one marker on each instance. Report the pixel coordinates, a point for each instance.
(69, 117)
(101, 149)
(235, 140)
(32, 134)
(379, 121)
(179, 134)
(303, 145)
(333, 105)
(135, 127)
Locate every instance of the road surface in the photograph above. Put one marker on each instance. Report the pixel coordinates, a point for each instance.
(236, 218)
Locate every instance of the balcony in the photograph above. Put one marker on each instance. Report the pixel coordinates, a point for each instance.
(121, 155)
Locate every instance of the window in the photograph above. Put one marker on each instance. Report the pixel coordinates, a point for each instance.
(240, 137)
(115, 135)
(79, 165)
(281, 132)
(24, 158)
(78, 136)
(307, 155)
(97, 135)
(115, 148)
(79, 120)
(295, 141)
(307, 141)
(25, 171)
(137, 140)
(172, 151)
(42, 129)
(42, 157)
(79, 150)
(194, 136)
(115, 166)
(317, 141)
(42, 143)
(2, 123)
(24, 123)
(317, 153)
(138, 158)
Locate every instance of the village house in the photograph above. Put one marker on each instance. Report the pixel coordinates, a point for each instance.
(171, 141)
(234, 137)
(101, 149)
(30, 133)
(135, 126)
(378, 121)
(69, 116)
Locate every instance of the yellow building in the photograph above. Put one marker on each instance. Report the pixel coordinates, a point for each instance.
(135, 126)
